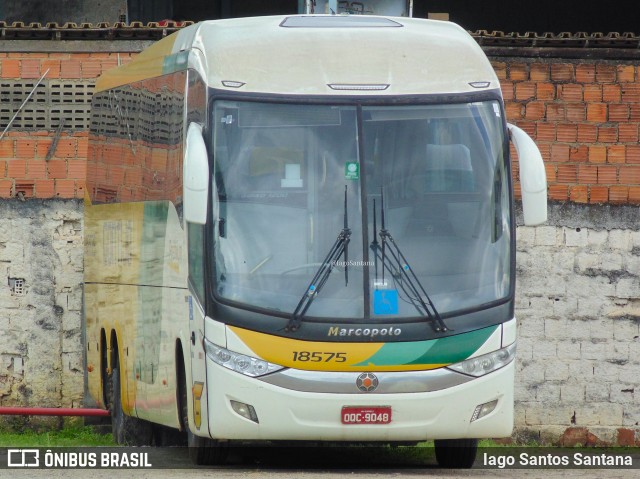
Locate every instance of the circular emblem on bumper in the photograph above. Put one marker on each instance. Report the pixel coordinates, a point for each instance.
(367, 382)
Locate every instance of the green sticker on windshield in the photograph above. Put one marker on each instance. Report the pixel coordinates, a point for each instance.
(352, 170)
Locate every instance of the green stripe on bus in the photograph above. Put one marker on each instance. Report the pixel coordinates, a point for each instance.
(449, 350)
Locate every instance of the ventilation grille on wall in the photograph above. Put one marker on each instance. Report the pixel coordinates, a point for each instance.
(52, 101)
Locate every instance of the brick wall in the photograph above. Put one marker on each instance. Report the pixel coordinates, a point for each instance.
(45, 163)
(584, 116)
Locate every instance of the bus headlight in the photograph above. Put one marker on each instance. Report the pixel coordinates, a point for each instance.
(240, 363)
(487, 363)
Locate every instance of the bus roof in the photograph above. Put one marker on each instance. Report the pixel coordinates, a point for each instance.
(319, 55)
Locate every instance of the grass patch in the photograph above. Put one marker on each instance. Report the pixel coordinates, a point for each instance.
(69, 437)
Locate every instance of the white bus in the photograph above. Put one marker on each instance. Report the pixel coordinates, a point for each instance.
(301, 228)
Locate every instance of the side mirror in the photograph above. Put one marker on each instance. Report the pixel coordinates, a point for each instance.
(196, 176)
(533, 178)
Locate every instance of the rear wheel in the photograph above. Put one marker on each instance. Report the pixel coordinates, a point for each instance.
(456, 453)
(127, 430)
(202, 451)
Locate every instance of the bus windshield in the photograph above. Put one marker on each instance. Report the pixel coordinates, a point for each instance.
(432, 178)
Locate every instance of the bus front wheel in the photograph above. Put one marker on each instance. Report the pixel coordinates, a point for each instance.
(456, 453)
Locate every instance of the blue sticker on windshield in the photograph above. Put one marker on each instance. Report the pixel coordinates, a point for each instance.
(385, 301)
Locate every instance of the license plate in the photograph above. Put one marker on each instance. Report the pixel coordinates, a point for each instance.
(366, 415)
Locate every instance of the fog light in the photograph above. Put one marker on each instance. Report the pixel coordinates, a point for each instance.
(483, 409)
(245, 410)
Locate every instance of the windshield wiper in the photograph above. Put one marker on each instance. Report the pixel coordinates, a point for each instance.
(404, 276)
(340, 247)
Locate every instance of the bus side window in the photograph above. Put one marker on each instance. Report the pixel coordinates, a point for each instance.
(196, 259)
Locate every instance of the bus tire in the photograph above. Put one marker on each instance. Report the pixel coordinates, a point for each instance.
(202, 451)
(127, 430)
(456, 453)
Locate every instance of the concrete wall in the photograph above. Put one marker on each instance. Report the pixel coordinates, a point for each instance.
(578, 312)
(41, 263)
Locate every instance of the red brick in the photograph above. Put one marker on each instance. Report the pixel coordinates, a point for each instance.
(3, 168)
(597, 154)
(66, 148)
(556, 112)
(501, 69)
(633, 154)
(628, 132)
(611, 93)
(53, 67)
(108, 64)
(551, 171)
(44, 188)
(6, 148)
(598, 194)
(36, 169)
(534, 110)
(5, 188)
(42, 147)
(65, 188)
(567, 132)
(539, 72)
(567, 173)
(579, 194)
(618, 194)
(607, 175)
(631, 92)
(91, 69)
(630, 175)
(587, 133)
(597, 112)
(70, 69)
(585, 73)
(10, 68)
(525, 90)
(626, 73)
(25, 148)
(82, 144)
(570, 92)
(30, 69)
(616, 154)
(562, 72)
(559, 153)
(545, 131)
(579, 153)
(546, 91)
(559, 192)
(634, 195)
(518, 71)
(608, 134)
(57, 169)
(507, 90)
(17, 168)
(587, 174)
(605, 73)
(515, 111)
(592, 93)
(634, 114)
(619, 112)
(576, 112)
